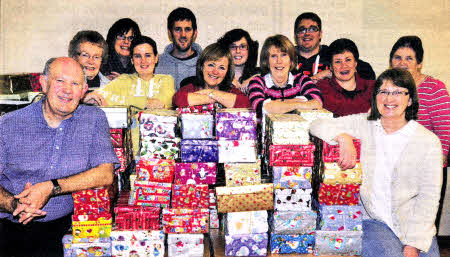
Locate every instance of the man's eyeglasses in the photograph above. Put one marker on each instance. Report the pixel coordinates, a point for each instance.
(303, 30)
(385, 93)
(123, 38)
(86, 56)
(241, 47)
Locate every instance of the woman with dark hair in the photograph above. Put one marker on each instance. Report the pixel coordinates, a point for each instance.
(212, 84)
(434, 111)
(345, 92)
(402, 166)
(119, 39)
(245, 55)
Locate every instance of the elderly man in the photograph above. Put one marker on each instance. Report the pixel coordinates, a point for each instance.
(48, 150)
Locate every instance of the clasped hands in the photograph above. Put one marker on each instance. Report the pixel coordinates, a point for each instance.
(31, 201)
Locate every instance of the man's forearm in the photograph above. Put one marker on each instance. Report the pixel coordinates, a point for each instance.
(7, 201)
(102, 175)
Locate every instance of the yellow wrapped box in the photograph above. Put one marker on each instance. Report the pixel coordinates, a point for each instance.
(245, 198)
(91, 226)
(334, 175)
(242, 174)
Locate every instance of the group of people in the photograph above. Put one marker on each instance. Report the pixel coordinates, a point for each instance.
(63, 146)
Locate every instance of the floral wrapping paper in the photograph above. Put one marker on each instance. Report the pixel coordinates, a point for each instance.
(248, 222)
(236, 124)
(87, 248)
(245, 198)
(160, 148)
(246, 245)
(91, 226)
(185, 245)
(197, 126)
(294, 222)
(291, 177)
(190, 196)
(199, 150)
(213, 218)
(242, 174)
(148, 248)
(136, 217)
(338, 242)
(185, 220)
(150, 193)
(237, 151)
(287, 129)
(157, 170)
(330, 153)
(291, 243)
(334, 175)
(293, 199)
(204, 109)
(91, 202)
(158, 123)
(341, 217)
(347, 194)
(291, 155)
(195, 173)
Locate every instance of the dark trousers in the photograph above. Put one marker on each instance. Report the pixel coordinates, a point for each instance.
(33, 239)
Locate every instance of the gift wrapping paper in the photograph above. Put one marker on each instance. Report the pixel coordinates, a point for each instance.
(291, 155)
(123, 157)
(213, 218)
(236, 124)
(212, 199)
(91, 226)
(347, 194)
(287, 129)
(157, 170)
(87, 248)
(136, 217)
(204, 109)
(91, 201)
(195, 173)
(158, 123)
(294, 222)
(197, 126)
(338, 242)
(242, 174)
(311, 115)
(293, 199)
(190, 196)
(117, 136)
(237, 151)
(341, 217)
(185, 245)
(334, 175)
(291, 243)
(138, 235)
(291, 177)
(160, 148)
(246, 245)
(330, 153)
(245, 198)
(199, 150)
(185, 220)
(150, 193)
(247, 222)
(148, 248)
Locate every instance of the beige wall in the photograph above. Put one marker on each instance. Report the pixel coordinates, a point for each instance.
(32, 31)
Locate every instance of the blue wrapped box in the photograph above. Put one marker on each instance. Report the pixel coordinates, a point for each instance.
(341, 217)
(86, 247)
(338, 242)
(199, 150)
(197, 126)
(291, 243)
(294, 222)
(246, 245)
(291, 177)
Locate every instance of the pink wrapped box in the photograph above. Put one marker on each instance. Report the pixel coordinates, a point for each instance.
(190, 196)
(195, 173)
(185, 220)
(292, 155)
(331, 152)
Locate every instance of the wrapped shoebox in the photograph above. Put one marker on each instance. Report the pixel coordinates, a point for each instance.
(195, 173)
(158, 123)
(185, 245)
(213, 218)
(157, 170)
(287, 129)
(91, 226)
(97, 247)
(118, 116)
(199, 150)
(293, 199)
(330, 153)
(197, 126)
(291, 155)
(150, 193)
(245, 198)
(285, 244)
(334, 175)
(242, 174)
(247, 222)
(91, 202)
(202, 109)
(118, 137)
(124, 158)
(136, 217)
(341, 217)
(311, 115)
(190, 196)
(236, 124)
(347, 194)
(141, 243)
(246, 245)
(160, 148)
(185, 220)
(212, 199)
(237, 151)
(291, 177)
(338, 242)
(294, 222)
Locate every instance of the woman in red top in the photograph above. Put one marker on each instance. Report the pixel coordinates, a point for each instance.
(213, 82)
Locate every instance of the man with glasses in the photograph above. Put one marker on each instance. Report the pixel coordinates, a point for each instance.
(180, 57)
(312, 57)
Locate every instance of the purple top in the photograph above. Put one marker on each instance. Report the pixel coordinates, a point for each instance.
(31, 151)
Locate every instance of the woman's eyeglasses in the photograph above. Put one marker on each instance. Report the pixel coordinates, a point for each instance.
(123, 38)
(385, 93)
(241, 47)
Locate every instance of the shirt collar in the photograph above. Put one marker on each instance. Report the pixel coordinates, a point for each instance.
(39, 112)
(407, 130)
(269, 82)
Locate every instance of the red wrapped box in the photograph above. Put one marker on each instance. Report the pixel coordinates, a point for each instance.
(205, 109)
(137, 217)
(331, 152)
(123, 159)
(292, 155)
(190, 196)
(148, 193)
(185, 220)
(91, 201)
(117, 136)
(157, 170)
(347, 194)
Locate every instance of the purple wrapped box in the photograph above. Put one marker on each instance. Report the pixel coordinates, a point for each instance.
(185, 245)
(341, 217)
(236, 124)
(246, 245)
(195, 173)
(199, 150)
(292, 177)
(197, 126)
(98, 247)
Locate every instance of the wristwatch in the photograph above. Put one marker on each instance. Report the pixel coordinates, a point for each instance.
(56, 187)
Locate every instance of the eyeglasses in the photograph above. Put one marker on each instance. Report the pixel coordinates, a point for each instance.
(86, 56)
(123, 38)
(241, 47)
(385, 93)
(303, 30)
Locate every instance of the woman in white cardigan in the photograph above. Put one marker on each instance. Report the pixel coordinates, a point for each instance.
(402, 168)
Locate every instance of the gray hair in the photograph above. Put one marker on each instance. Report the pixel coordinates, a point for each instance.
(87, 36)
(49, 62)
